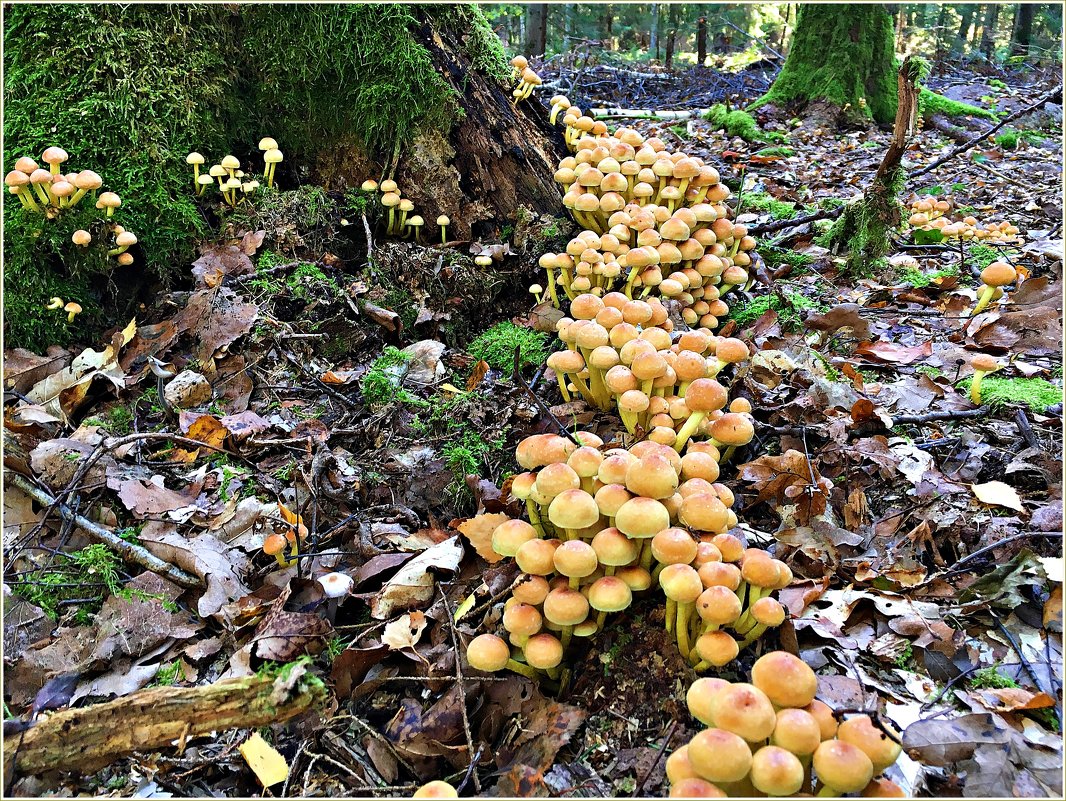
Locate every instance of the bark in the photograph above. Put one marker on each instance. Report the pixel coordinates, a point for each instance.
(962, 36)
(653, 44)
(988, 33)
(671, 39)
(92, 737)
(537, 29)
(701, 41)
(497, 158)
(1023, 29)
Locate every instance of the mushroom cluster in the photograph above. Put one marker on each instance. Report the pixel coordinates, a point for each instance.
(233, 183)
(400, 221)
(46, 191)
(774, 737)
(929, 213)
(620, 354)
(606, 524)
(285, 541)
(527, 79)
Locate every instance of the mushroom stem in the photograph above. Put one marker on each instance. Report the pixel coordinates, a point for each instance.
(700, 666)
(646, 555)
(534, 517)
(551, 288)
(975, 386)
(528, 671)
(444, 234)
(688, 429)
(629, 419)
(42, 193)
(561, 378)
(78, 195)
(751, 637)
(70, 316)
(983, 299)
(683, 610)
(600, 618)
(726, 454)
(567, 633)
(671, 614)
(22, 200)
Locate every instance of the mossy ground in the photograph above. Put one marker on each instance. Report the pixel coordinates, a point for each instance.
(930, 103)
(1036, 393)
(739, 123)
(788, 305)
(497, 346)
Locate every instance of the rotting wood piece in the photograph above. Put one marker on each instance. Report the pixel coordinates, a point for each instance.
(90, 738)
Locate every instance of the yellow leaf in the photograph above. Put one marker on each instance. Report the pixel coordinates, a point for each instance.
(209, 430)
(268, 765)
(479, 531)
(997, 493)
(404, 631)
(129, 331)
(450, 388)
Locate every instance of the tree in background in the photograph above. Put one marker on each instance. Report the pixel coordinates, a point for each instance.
(858, 79)
(1022, 34)
(988, 30)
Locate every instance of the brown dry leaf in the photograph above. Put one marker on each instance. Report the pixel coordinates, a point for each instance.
(1052, 615)
(23, 368)
(413, 584)
(478, 373)
(479, 531)
(996, 493)
(218, 261)
(882, 352)
(846, 315)
(331, 377)
(787, 479)
(352, 665)
(404, 631)
(251, 242)
(216, 318)
(283, 636)
(1014, 699)
(147, 498)
(55, 461)
(549, 726)
(206, 429)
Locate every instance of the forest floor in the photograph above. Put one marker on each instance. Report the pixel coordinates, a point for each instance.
(928, 578)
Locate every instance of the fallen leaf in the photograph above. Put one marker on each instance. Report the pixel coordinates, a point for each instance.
(893, 353)
(404, 631)
(996, 493)
(283, 636)
(268, 765)
(478, 530)
(413, 584)
(478, 373)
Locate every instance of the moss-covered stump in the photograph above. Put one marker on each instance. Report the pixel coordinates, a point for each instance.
(842, 61)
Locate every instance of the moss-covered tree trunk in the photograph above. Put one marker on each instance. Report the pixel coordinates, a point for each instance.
(842, 61)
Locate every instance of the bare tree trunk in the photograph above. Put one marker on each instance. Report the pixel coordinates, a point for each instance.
(671, 38)
(988, 34)
(653, 44)
(537, 29)
(701, 41)
(1023, 29)
(964, 28)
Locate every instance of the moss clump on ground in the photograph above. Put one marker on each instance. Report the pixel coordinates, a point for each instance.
(1010, 138)
(787, 304)
(777, 257)
(919, 278)
(497, 346)
(930, 103)
(1036, 393)
(763, 201)
(861, 74)
(383, 382)
(739, 123)
(983, 255)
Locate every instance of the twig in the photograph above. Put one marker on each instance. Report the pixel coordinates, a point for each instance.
(658, 758)
(932, 417)
(462, 691)
(1050, 96)
(1022, 419)
(794, 222)
(516, 376)
(1026, 666)
(127, 550)
(956, 568)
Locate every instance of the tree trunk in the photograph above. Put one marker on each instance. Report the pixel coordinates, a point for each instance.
(537, 29)
(858, 80)
(964, 28)
(988, 34)
(1023, 29)
(701, 41)
(671, 38)
(653, 44)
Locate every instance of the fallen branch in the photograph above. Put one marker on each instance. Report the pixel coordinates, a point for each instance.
(794, 222)
(134, 554)
(92, 737)
(934, 417)
(644, 114)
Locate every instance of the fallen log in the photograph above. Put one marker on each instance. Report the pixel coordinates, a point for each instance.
(92, 737)
(644, 114)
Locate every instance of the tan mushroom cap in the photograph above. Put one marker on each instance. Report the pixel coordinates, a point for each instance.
(54, 155)
(842, 766)
(63, 189)
(576, 559)
(510, 535)
(717, 648)
(823, 715)
(861, 732)
(636, 577)
(125, 259)
(109, 200)
(565, 607)
(273, 156)
(610, 594)
(267, 143)
(536, 557)
(785, 679)
(673, 546)
(573, 509)
(678, 768)
(985, 363)
(681, 583)
(883, 788)
(718, 605)
(704, 511)
(699, 696)
(81, 237)
(26, 164)
(720, 574)
(73, 307)
(796, 731)
(719, 756)
(16, 178)
(999, 273)
(522, 619)
(652, 477)
(436, 789)
(776, 772)
(530, 590)
(613, 548)
(695, 788)
(488, 652)
(744, 710)
(126, 239)
(642, 517)
(87, 179)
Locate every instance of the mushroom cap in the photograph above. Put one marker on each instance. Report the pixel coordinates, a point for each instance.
(695, 787)
(230, 162)
(744, 710)
(636, 577)
(652, 477)
(336, 585)
(776, 771)
(125, 259)
(699, 696)
(706, 395)
(985, 363)
(110, 199)
(63, 189)
(536, 557)
(883, 788)
(544, 651)
(863, 734)
(488, 652)
(81, 237)
(16, 178)
(642, 517)
(718, 648)
(718, 605)
(565, 607)
(673, 546)
(999, 273)
(436, 789)
(732, 429)
(610, 594)
(216, 171)
(719, 756)
(273, 156)
(26, 165)
(681, 583)
(274, 544)
(678, 768)
(415, 221)
(573, 509)
(369, 185)
(531, 590)
(205, 179)
(510, 535)
(390, 199)
(73, 307)
(842, 766)
(443, 220)
(730, 546)
(233, 183)
(194, 158)
(720, 574)
(126, 239)
(388, 185)
(824, 717)
(267, 143)
(576, 559)
(406, 204)
(695, 464)
(556, 478)
(54, 155)
(786, 679)
(519, 62)
(796, 731)
(87, 179)
(704, 511)
(522, 619)
(613, 548)
(40, 176)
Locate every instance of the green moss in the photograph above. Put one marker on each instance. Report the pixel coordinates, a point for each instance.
(983, 255)
(990, 678)
(787, 304)
(777, 256)
(776, 151)
(918, 278)
(87, 576)
(1010, 138)
(765, 202)
(168, 675)
(739, 123)
(930, 102)
(382, 383)
(497, 346)
(1036, 393)
(861, 73)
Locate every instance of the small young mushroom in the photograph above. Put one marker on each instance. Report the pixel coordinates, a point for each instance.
(54, 156)
(72, 308)
(125, 259)
(231, 164)
(275, 545)
(18, 183)
(535, 290)
(109, 201)
(218, 172)
(55, 303)
(85, 181)
(336, 586)
(861, 732)
(719, 755)
(63, 189)
(995, 276)
(841, 767)
(415, 223)
(268, 143)
(42, 185)
(369, 185)
(776, 772)
(271, 159)
(26, 164)
(203, 182)
(982, 364)
(195, 159)
(785, 679)
(436, 788)
(443, 222)
(745, 710)
(81, 238)
(797, 731)
(123, 241)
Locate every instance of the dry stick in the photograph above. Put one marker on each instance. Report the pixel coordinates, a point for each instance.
(91, 737)
(516, 375)
(1026, 664)
(462, 693)
(127, 550)
(932, 417)
(956, 568)
(1026, 429)
(658, 758)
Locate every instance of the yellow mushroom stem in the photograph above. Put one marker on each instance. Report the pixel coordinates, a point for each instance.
(553, 115)
(683, 610)
(528, 671)
(975, 386)
(983, 299)
(535, 519)
(688, 429)
(55, 303)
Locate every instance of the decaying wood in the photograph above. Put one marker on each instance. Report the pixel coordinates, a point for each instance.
(645, 114)
(88, 739)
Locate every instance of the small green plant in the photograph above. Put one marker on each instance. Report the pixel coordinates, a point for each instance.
(680, 131)
(990, 678)
(168, 675)
(383, 382)
(918, 279)
(787, 304)
(776, 151)
(929, 370)
(497, 346)
(905, 659)
(763, 201)
(118, 420)
(777, 257)
(1036, 393)
(740, 123)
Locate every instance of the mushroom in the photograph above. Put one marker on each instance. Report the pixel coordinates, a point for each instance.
(535, 290)
(695, 787)
(518, 63)
(54, 156)
(271, 159)
(63, 189)
(26, 164)
(443, 221)
(230, 164)
(336, 586)
(42, 185)
(218, 172)
(109, 201)
(436, 788)
(415, 223)
(682, 586)
(390, 200)
(786, 680)
(55, 303)
(81, 238)
(232, 185)
(609, 594)
(268, 143)
(797, 731)
(17, 181)
(195, 159)
(72, 308)
(841, 767)
(883, 788)
(369, 185)
(776, 771)
(275, 545)
(995, 276)
(704, 395)
(559, 103)
(982, 364)
(873, 741)
(85, 181)
(719, 755)
(125, 259)
(123, 241)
